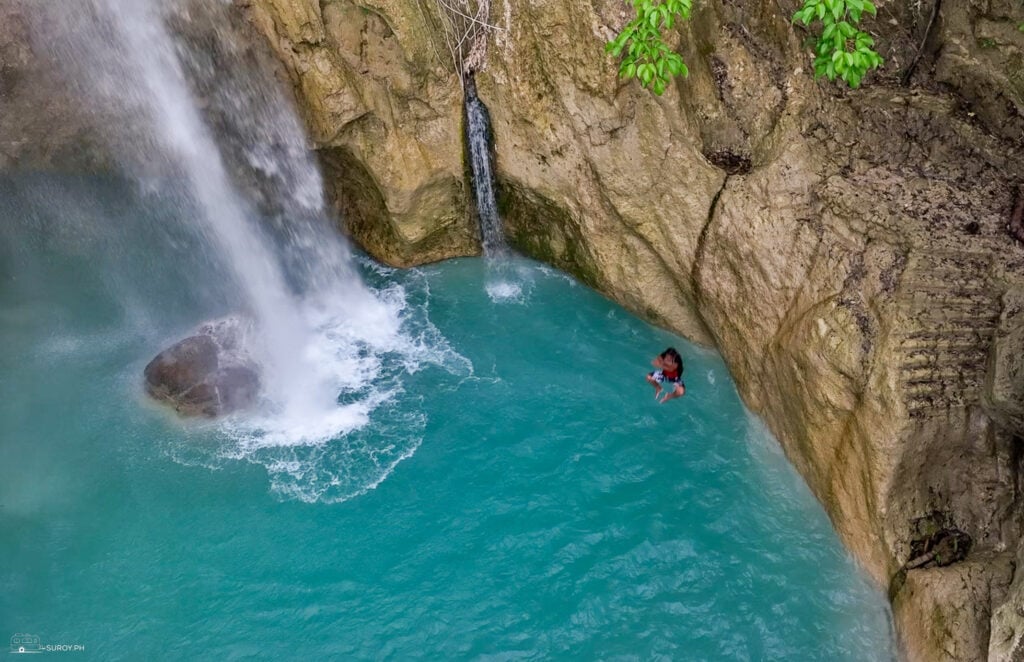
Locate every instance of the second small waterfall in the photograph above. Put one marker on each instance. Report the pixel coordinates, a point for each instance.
(481, 162)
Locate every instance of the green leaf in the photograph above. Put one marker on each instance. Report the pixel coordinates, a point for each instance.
(870, 8)
(838, 9)
(649, 59)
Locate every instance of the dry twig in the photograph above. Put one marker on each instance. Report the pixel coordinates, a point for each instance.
(466, 26)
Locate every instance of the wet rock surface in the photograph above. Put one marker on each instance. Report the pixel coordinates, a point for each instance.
(206, 374)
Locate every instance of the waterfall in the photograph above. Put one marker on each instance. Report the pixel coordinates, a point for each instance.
(157, 76)
(481, 162)
(181, 134)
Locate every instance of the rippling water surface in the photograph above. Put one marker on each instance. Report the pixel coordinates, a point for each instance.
(505, 485)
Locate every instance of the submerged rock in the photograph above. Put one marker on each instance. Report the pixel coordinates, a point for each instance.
(206, 374)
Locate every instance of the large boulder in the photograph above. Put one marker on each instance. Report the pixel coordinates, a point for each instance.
(206, 374)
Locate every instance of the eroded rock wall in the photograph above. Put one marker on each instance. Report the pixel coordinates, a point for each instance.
(847, 251)
(385, 113)
(41, 123)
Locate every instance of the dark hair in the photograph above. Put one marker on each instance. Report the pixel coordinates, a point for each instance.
(671, 352)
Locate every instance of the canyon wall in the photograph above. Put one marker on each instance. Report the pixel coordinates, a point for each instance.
(856, 255)
(848, 251)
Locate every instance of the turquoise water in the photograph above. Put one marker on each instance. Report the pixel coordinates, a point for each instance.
(515, 493)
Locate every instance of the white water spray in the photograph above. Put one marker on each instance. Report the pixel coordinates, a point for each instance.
(333, 352)
(159, 82)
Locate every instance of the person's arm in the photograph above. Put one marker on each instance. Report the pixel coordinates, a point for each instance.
(657, 362)
(678, 392)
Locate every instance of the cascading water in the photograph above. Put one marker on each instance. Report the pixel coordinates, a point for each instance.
(160, 86)
(505, 282)
(156, 75)
(478, 138)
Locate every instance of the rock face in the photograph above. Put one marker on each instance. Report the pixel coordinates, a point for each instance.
(41, 124)
(386, 116)
(847, 251)
(206, 374)
(856, 256)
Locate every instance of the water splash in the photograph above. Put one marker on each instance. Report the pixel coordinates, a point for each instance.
(153, 84)
(200, 132)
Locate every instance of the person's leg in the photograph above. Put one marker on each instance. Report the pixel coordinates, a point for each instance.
(677, 392)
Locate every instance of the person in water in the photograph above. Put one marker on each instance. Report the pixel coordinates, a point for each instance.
(669, 368)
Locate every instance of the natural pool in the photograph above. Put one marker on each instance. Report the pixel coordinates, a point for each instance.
(502, 484)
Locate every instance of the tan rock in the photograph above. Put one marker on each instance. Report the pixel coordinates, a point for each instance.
(946, 612)
(846, 252)
(1004, 384)
(385, 114)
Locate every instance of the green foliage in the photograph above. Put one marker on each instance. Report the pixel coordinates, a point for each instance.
(644, 53)
(842, 49)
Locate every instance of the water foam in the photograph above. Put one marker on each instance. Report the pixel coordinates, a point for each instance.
(508, 280)
(332, 352)
(504, 291)
(374, 422)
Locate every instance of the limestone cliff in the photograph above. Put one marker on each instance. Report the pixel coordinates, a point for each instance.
(847, 251)
(856, 256)
(385, 115)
